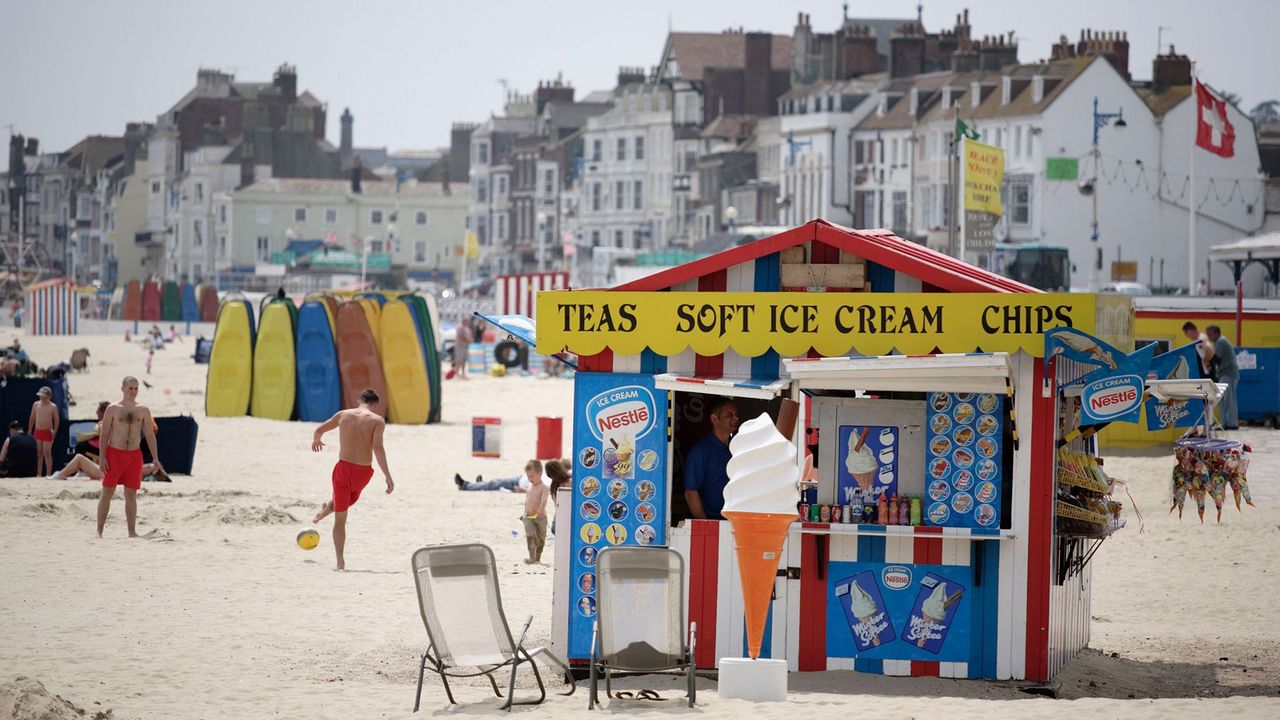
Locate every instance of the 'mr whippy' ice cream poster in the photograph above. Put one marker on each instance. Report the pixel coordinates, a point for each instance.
(619, 482)
(883, 611)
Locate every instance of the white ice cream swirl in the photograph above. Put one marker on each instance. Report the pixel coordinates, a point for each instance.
(936, 606)
(763, 476)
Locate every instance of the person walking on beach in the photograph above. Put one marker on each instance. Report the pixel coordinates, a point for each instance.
(124, 426)
(535, 512)
(1224, 358)
(359, 441)
(43, 426)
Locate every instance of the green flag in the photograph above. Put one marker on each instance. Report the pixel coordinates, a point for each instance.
(965, 131)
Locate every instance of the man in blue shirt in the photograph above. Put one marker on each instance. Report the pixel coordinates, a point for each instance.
(704, 467)
(1224, 355)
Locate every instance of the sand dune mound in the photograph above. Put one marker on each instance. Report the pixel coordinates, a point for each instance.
(39, 510)
(241, 515)
(26, 699)
(83, 495)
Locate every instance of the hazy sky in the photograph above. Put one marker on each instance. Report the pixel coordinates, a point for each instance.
(408, 69)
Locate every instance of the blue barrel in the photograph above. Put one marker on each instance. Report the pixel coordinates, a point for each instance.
(1258, 395)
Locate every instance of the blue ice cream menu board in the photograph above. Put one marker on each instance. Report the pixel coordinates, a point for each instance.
(963, 468)
(898, 612)
(619, 482)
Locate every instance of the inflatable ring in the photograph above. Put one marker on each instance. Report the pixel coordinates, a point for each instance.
(507, 353)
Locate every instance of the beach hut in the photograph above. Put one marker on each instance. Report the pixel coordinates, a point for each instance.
(929, 371)
(170, 302)
(151, 301)
(53, 308)
(514, 294)
(208, 297)
(133, 300)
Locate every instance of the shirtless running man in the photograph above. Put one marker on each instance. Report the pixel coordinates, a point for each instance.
(359, 440)
(124, 426)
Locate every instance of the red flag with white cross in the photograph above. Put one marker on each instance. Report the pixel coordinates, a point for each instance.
(1214, 131)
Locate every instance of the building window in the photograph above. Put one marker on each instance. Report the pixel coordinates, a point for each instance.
(222, 214)
(501, 188)
(617, 238)
(900, 212)
(639, 147)
(375, 217)
(419, 252)
(1017, 141)
(549, 182)
(619, 193)
(264, 248)
(199, 192)
(482, 190)
(197, 233)
(155, 188)
(420, 218)
(622, 148)
(375, 246)
(500, 230)
(596, 192)
(300, 215)
(595, 238)
(331, 216)
(222, 246)
(637, 198)
(597, 151)
(1019, 199)
(482, 153)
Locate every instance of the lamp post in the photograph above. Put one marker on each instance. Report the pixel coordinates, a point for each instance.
(1100, 120)
(731, 218)
(542, 241)
(71, 256)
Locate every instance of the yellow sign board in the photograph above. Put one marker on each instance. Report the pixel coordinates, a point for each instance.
(752, 323)
(983, 174)
(472, 245)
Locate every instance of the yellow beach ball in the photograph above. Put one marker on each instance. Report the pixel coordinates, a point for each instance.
(308, 539)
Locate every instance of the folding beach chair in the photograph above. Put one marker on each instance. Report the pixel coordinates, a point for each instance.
(462, 611)
(640, 626)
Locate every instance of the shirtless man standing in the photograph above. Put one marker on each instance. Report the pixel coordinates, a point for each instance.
(124, 426)
(359, 440)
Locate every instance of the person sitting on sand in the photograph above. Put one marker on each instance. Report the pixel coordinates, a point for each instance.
(359, 441)
(18, 454)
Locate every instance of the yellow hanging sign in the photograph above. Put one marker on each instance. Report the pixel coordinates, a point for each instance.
(790, 323)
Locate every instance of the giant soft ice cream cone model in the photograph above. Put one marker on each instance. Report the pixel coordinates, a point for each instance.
(760, 502)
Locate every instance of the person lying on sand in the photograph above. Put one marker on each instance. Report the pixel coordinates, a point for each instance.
(85, 464)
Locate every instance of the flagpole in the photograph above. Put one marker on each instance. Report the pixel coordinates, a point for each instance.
(959, 200)
(1191, 203)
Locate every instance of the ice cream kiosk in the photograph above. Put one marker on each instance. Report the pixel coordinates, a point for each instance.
(941, 536)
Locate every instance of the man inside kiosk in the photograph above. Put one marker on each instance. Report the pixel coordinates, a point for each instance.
(704, 467)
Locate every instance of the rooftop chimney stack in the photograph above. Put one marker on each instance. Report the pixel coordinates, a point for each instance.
(1170, 70)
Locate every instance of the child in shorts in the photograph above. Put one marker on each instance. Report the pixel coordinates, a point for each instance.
(43, 425)
(535, 512)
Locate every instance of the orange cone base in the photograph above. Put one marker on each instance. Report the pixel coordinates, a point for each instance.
(757, 541)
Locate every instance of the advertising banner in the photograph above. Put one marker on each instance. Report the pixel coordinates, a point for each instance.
(898, 612)
(1113, 392)
(982, 168)
(870, 463)
(752, 323)
(1182, 363)
(620, 482)
(964, 471)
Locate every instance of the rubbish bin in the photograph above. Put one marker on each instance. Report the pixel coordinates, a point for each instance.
(1258, 394)
(549, 438)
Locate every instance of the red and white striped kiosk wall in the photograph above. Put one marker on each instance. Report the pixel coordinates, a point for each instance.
(53, 308)
(514, 294)
(918, 375)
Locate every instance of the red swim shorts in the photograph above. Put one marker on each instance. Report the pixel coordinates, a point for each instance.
(124, 467)
(45, 435)
(348, 480)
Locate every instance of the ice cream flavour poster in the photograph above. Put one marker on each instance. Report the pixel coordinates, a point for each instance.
(868, 461)
(620, 482)
(898, 612)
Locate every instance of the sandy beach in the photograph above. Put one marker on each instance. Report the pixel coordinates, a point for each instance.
(219, 614)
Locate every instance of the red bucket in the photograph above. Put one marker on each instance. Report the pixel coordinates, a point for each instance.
(549, 437)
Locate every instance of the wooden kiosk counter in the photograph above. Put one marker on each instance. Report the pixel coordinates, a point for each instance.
(925, 395)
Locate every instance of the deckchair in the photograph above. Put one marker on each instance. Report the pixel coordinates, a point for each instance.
(457, 593)
(640, 626)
